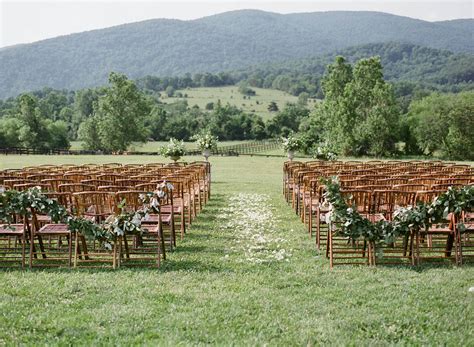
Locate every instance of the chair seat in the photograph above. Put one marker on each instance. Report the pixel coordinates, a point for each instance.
(322, 209)
(151, 227)
(167, 209)
(54, 229)
(443, 230)
(12, 229)
(153, 219)
(469, 226)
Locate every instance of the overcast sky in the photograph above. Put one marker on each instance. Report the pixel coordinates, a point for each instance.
(29, 21)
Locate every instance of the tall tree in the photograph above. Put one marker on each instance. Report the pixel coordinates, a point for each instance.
(375, 111)
(33, 132)
(359, 115)
(121, 114)
(444, 122)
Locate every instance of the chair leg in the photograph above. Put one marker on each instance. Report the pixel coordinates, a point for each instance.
(76, 244)
(331, 254)
(41, 245)
(69, 240)
(23, 251)
(162, 239)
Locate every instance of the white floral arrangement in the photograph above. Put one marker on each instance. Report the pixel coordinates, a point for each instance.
(322, 152)
(206, 141)
(291, 143)
(174, 148)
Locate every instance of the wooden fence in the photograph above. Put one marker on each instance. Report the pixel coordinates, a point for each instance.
(247, 148)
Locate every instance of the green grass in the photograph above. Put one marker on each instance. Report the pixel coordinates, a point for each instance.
(200, 296)
(231, 95)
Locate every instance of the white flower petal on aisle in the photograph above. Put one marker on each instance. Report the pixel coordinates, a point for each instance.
(250, 219)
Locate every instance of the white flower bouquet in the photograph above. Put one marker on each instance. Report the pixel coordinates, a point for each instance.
(174, 148)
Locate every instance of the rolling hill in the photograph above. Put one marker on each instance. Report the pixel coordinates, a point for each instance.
(227, 41)
(401, 62)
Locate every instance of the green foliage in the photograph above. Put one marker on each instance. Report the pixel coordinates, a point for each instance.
(33, 132)
(170, 91)
(359, 115)
(444, 122)
(414, 70)
(9, 132)
(121, 112)
(353, 225)
(27, 126)
(287, 120)
(303, 98)
(246, 90)
(89, 134)
(272, 106)
(58, 134)
(22, 203)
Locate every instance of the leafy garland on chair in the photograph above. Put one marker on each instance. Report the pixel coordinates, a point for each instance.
(421, 216)
(21, 203)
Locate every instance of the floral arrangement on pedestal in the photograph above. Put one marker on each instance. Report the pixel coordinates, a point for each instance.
(291, 144)
(206, 142)
(323, 152)
(173, 150)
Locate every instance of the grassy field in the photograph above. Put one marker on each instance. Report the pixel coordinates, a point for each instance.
(210, 291)
(231, 95)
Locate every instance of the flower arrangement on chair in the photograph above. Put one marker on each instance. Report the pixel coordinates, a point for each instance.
(291, 144)
(173, 150)
(206, 143)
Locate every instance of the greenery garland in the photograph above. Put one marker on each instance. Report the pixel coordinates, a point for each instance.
(14, 202)
(405, 219)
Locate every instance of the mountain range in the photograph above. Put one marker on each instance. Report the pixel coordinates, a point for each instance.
(227, 41)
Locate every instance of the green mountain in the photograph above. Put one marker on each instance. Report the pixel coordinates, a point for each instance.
(463, 24)
(227, 41)
(401, 62)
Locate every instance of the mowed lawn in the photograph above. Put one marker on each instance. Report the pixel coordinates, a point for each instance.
(209, 293)
(230, 94)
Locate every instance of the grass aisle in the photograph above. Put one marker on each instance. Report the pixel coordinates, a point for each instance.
(226, 285)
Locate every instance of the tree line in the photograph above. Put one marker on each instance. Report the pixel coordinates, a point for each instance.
(359, 114)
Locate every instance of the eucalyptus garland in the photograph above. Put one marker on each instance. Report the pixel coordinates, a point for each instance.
(14, 202)
(405, 219)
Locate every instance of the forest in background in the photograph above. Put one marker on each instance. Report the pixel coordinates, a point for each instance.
(366, 114)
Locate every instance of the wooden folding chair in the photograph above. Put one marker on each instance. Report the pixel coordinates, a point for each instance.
(437, 242)
(13, 239)
(95, 206)
(466, 239)
(150, 246)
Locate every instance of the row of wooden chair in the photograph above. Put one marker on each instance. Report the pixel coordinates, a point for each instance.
(93, 200)
(377, 188)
